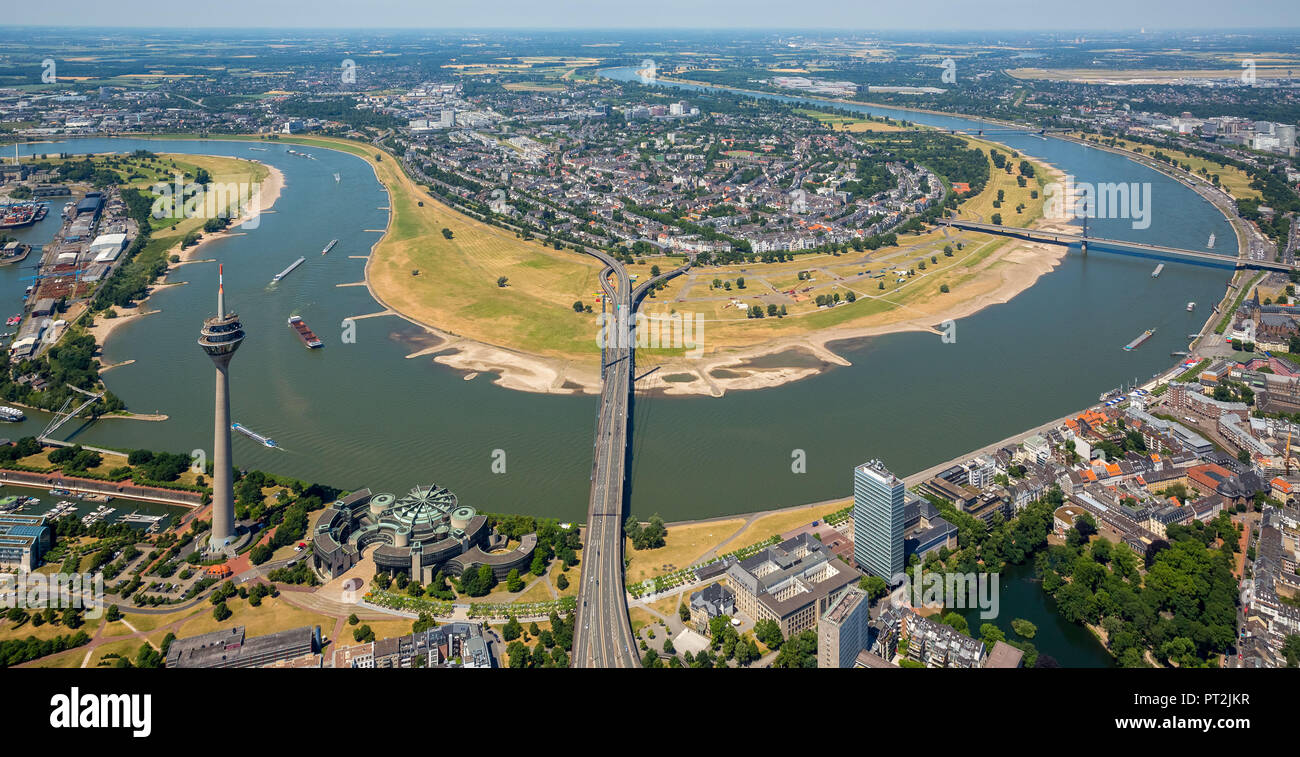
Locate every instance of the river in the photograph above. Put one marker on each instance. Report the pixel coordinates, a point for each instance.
(360, 414)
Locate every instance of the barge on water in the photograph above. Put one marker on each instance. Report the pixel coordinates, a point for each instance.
(265, 441)
(305, 334)
(1159, 269)
(1145, 335)
(329, 246)
(288, 270)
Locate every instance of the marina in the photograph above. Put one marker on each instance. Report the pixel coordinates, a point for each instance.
(288, 270)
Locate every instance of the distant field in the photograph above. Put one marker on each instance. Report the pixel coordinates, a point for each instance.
(1147, 75)
(840, 122)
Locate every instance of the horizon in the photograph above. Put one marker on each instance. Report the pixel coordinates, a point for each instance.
(1159, 16)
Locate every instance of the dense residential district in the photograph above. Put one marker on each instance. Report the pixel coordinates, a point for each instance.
(1163, 521)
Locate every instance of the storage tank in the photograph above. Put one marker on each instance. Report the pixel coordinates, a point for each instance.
(461, 516)
(380, 503)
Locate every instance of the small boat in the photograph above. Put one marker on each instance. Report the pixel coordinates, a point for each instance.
(14, 320)
(1156, 273)
(336, 177)
(1191, 306)
(329, 246)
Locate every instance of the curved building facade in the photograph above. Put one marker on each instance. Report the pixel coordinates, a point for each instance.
(425, 531)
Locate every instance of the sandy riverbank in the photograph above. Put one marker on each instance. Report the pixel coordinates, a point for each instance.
(267, 194)
(1014, 267)
(1011, 269)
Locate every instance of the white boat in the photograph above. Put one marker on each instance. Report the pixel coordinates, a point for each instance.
(1191, 306)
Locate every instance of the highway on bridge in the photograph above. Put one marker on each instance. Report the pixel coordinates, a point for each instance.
(603, 638)
(1121, 246)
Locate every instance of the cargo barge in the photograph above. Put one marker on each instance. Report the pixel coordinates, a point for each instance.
(329, 246)
(1145, 335)
(1159, 269)
(305, 334)
(288, 270)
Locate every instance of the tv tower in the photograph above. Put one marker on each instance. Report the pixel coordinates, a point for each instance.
(220, 337)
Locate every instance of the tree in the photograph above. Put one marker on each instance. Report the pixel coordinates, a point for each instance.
(353, 619)
(502, 280)
(1024, 628)
(514, 584)
(221, 612)
(561, 582)
(511, 630)
(874, 586)
(1291, 650)
(943, 288)
(683, 612)
(997, 219)
(447, 233)
(769, 632)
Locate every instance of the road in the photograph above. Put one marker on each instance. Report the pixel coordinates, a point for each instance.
(603, 638)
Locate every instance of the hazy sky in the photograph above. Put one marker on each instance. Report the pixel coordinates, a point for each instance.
(949, 15)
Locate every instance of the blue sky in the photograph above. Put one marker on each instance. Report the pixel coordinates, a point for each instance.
(938, 15)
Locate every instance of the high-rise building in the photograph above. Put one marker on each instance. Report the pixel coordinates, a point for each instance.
(878, 520)
(842, 630)
(220, 337)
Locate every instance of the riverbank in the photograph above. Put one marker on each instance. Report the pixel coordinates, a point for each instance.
(268, 193)
(733, 363)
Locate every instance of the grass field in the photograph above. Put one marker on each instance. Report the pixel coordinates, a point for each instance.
(456, 289)
(683, 546)
(1232, 179)
(274, 614)
(780, 522)
(838, 122)
(9, 632)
